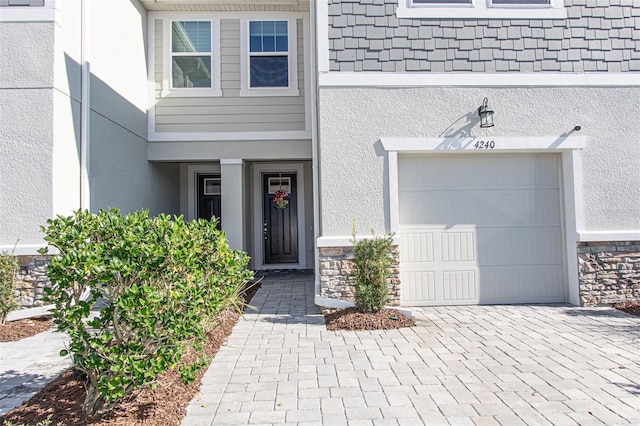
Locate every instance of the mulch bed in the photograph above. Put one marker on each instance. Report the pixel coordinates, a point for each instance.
(12, 331)
(61, 400)
(352, 319)
(632, 308)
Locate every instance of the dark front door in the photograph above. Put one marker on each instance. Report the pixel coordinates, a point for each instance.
(280, 218)
(209, 196)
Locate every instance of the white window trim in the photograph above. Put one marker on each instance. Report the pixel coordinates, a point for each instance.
(245, 89)
(191, 92)
(481, 9)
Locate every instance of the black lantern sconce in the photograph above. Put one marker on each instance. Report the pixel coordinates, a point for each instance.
(486, 114)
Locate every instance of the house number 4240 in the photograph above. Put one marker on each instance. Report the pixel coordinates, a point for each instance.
(485, 145)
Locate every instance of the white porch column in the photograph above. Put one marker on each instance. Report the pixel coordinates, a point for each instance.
(233, 215)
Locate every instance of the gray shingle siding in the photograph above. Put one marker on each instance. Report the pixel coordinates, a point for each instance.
(597, 36)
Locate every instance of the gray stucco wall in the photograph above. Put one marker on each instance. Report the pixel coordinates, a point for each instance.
(26, 145)
(26, 130)
(596, 36)
(353, 163)
(120, 174)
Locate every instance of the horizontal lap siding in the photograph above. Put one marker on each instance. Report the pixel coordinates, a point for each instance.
(158, 57)
(230, 113)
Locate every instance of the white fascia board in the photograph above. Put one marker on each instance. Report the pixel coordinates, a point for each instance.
(344, 241)
(50, 12)
(322, 15)
(228, 136)
(485, 144)
(603, 236)
(384, 79)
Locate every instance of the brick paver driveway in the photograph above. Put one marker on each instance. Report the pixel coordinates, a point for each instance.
(477, 365)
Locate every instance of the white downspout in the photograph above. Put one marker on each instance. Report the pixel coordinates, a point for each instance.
(85, 107)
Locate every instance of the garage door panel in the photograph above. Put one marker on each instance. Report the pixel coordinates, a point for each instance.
(480, 229)
(482, 207)
(459, 286)
(507, 246)
(458, 246)
(420, 286)
(484, 246)
(470, 172)
(517, 284)
(421, 244)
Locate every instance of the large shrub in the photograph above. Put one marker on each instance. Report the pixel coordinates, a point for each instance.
(161, 280)
(372, 261)
(8, 269)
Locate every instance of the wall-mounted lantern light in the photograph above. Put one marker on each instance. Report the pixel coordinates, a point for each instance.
(486, 114)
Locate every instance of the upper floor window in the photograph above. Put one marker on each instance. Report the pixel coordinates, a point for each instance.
(191, 58)
(191, 54)
(498, 9)
(269, 60)
(268, 54)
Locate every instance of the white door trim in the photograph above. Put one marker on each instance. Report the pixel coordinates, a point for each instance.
(257, 243)
(571, 179)
(193, 170)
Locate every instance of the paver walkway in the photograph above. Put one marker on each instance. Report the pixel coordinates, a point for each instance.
(477, 365)
(28, 365)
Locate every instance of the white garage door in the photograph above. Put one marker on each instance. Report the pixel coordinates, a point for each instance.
(480, 229)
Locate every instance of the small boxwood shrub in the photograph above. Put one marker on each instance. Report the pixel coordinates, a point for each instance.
(162, 280)
(8, 270)
(372, 261)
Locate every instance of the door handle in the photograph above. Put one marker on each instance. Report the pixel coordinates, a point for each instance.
(264, 229)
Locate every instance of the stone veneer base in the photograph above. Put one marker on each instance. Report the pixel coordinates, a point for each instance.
(335, 270)
(31, 280)
(609, 272)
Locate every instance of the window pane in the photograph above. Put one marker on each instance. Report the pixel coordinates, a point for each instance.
(268, 36)
(268, 28)
(191, 71)
(268, 44)
(282, 43)
(255, 28)
(269, 71)
(191, 36)
(521, 1)
(281, 28)
(255, 44)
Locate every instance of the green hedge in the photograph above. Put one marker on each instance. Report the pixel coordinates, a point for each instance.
(8, 269)
(162, 280)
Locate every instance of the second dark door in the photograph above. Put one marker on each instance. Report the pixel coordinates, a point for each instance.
(280, 218)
